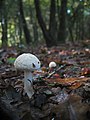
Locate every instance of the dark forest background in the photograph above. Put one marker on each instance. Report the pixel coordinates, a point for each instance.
(50, 22)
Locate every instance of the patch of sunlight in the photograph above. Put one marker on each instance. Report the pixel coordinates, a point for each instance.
(68, 11)
(8, 35)
(85, 3)
(27, 18)
(12, 26)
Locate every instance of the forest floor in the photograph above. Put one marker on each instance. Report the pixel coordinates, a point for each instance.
(61, 93)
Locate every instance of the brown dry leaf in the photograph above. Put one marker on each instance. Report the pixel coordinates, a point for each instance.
(71, 109)
(56, 75)
(64, 52)
(84, 62)
(18, 83)
(53, 58)
(75, 85)
(85, 71)
(44, 69)
(72, 82)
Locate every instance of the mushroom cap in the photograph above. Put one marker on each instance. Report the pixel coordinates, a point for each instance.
(27, 61)
(52, 64)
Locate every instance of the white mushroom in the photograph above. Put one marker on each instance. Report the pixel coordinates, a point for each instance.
(28, 63)
(52, 65)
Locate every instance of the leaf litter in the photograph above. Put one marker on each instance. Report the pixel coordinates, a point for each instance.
(63, 93)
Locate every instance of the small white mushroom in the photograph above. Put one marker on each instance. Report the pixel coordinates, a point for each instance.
(28, 63)
(52, 65)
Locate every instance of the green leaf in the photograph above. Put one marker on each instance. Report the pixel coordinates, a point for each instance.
(1, 62)
(11, 60)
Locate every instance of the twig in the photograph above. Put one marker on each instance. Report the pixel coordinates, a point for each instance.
(51, 74)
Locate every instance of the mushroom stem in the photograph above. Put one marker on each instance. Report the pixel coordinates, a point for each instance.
(28, 86)
(28, 76)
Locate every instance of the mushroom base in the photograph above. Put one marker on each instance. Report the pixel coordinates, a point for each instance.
(28, 87)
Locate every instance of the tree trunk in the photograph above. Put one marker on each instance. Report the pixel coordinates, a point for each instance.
(20, 29)
(24, 24)
(53, 24)
(62, 20)
(1, 5)
(3, 23)
(4, 32)
(49, 39)
(82, 21)
(34, 25)
(35, 32)
(72, 20)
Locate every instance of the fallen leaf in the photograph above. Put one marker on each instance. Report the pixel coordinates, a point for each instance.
(73, 83)
(84, 62)
(11, 60)
(56, 76)
(85, 71)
